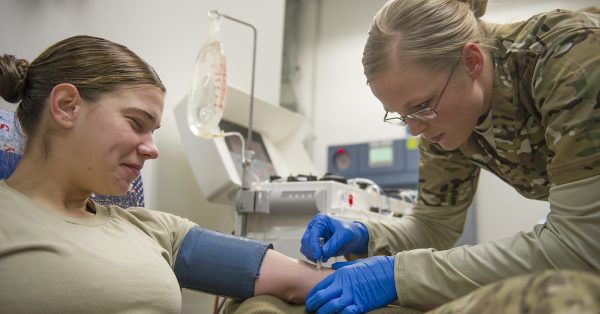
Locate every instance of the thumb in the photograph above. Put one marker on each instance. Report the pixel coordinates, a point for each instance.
(351, 309)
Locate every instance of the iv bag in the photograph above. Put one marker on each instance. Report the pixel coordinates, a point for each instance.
(206, 101)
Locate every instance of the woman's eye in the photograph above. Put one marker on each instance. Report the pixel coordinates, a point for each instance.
(137, 123)
(421, 106)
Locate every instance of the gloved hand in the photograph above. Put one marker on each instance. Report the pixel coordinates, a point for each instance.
(357, 287)
(341, 237)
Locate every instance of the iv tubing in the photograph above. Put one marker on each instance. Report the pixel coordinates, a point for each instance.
(212, 14)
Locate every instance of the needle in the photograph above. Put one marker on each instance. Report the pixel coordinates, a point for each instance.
(320, 261)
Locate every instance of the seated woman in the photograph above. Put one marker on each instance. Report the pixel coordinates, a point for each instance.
(89, 108)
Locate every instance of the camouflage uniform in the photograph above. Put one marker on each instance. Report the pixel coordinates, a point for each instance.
(541, 136)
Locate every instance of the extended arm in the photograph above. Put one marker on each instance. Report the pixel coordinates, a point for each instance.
(287, 278)
(565, 241)
(241, 268)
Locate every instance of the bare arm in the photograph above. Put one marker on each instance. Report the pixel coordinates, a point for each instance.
(287, 278)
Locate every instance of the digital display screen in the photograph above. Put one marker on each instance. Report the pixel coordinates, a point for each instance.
(381, 155)
(235, 146)
(262, 165)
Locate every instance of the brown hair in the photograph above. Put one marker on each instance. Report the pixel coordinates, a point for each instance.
(429, 32)
(94, 65)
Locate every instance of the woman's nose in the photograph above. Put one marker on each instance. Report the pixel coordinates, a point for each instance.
(416, 127)
(148, 149)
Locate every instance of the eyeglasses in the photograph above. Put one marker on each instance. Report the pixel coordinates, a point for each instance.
(424, 114)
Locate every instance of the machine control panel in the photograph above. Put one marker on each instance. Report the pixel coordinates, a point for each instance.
(392, 164)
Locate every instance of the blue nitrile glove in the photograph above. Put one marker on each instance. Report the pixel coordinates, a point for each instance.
(341, 237)
(357, 287)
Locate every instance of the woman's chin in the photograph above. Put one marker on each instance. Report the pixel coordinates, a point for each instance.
(118, 189)
(449, 145)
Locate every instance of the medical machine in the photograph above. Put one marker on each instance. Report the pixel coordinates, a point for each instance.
(393, 164)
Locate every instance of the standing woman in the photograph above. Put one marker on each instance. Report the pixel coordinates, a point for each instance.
(89, 108)
(520, 100)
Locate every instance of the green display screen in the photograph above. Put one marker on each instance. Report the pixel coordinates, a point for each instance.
(381, 156)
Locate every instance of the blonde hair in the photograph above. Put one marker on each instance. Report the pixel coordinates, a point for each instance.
(429, 32)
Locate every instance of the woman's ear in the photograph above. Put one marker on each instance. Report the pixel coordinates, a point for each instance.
(473, 58)
(64, 104)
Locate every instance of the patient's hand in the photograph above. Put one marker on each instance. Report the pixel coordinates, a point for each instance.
(287, 278)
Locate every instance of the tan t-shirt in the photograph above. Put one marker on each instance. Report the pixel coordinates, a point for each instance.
(120, 261)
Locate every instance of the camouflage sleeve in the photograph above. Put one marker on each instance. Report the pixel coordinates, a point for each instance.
(568, 240)
(566, 91)
(447, 184)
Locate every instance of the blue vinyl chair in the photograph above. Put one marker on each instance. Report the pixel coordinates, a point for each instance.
(12, 145)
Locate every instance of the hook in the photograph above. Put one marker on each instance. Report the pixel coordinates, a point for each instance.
(214, 14)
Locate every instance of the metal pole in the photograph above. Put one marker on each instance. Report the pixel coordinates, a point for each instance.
(219, 14)
(249, 155)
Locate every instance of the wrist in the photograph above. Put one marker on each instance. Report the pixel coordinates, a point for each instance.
(389, 269)
(287, 278)
(304, 279)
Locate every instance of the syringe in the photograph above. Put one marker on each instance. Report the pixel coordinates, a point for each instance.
(320, 260)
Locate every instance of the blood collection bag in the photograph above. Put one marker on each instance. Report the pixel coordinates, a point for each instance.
(206, 100)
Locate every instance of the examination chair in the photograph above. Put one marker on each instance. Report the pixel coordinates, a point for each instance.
(12, 145)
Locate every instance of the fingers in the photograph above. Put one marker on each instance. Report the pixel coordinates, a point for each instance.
(313, 231)
(319, 295)
(333, 246)
(351, 309)
(355, 287)
(319, 230)
(338, 302)
(334, 306)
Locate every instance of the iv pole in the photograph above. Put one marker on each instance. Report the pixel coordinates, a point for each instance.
(245, 198)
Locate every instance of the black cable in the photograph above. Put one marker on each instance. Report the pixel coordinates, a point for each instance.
(221, 305)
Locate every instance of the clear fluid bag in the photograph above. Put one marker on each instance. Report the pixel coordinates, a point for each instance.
(206, 100)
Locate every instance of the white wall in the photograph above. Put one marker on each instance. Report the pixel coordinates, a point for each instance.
(343, 110)
(167, 34)
(340, 106)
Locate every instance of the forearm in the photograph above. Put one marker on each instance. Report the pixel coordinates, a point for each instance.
(422, 230)
(447, 184)
(210, 261)
(287, 278)
(568, 240)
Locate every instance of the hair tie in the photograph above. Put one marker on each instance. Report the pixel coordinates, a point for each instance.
(477, 6)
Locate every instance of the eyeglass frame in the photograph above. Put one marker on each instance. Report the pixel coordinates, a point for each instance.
(401, 120)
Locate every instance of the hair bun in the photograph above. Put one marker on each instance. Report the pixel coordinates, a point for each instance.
(477, 6)
(13, 73)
